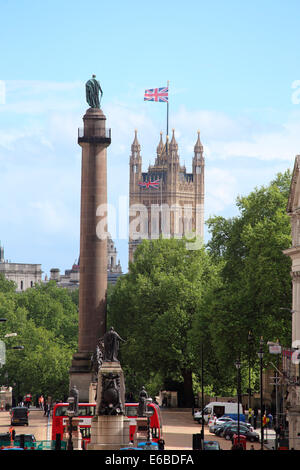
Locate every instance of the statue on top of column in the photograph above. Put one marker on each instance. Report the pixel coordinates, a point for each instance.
(111, 345)
(92, 88)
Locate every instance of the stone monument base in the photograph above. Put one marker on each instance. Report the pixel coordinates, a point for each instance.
(109, 432)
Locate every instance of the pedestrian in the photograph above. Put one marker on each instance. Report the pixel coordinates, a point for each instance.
(252, 447)
(270, 422)
(254, 419)
(250, 415)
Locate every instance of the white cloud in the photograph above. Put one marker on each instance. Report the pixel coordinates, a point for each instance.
(221, 190)
(225, 137)
(53, 217)
(40, 159)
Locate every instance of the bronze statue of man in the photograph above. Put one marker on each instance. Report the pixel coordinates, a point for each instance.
(111, 345)
(92, 88)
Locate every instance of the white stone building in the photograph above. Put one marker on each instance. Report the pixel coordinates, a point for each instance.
(24, 275)
(293, 399)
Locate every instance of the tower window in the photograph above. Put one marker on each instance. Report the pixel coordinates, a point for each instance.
(198, 170)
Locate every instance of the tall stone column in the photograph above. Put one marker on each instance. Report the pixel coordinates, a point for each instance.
(94, 139)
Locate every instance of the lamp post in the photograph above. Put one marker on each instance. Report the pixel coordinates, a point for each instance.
(202, 398)
(250, 343)
(238, 367)
(275, 348)
(70, 413)
(148, 414)
(261, 355)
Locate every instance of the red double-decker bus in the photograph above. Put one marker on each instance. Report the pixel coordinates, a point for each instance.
(60, 419)
(86, 411)
(155, 421)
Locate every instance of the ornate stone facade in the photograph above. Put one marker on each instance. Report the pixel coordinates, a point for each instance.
(293, 400)
(165, 200)
(23, 274)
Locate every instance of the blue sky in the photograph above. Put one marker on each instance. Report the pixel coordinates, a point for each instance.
(231, 65)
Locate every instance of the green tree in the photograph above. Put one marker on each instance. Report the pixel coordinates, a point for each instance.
(154, 307)
(256, 281)
(54, 309)
(46, 322)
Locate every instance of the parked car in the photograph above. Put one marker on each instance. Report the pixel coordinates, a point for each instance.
(29, 439)
(19, 415)
(211, 445)
(233, 430)
(7, 443)
(11, 448)
(219, 421)
(221, 430)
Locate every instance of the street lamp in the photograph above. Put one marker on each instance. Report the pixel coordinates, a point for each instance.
(250, 343)
(238, 366)
(202, 397)
(261, 355)
(70, 413)
(275, 348)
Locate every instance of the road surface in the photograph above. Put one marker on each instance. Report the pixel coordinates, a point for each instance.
(178, 428)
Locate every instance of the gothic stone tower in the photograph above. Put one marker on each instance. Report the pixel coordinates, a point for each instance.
(165, 200)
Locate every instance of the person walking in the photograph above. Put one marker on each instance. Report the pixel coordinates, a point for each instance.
(270, 422)
(254, 419)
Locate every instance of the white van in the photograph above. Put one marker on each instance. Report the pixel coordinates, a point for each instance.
(218, 409)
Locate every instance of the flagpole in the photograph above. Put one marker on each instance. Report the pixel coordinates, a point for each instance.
(167, 137)
(168, 109)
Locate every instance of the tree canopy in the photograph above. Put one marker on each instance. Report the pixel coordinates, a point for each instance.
(174, 300)
(154, 307)
(45, 319)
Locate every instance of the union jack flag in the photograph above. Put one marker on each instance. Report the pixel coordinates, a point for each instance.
(149, 184)
(157, 94)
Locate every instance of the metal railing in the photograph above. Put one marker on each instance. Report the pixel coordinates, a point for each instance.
(37, 445)
(104, 133)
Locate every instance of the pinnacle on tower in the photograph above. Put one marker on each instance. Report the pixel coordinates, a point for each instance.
(135, 147)
(160, 146)
(173, 147)
(173, 143)
(198, 149)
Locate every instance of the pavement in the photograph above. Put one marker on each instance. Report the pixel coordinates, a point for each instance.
(39, 425)
(179, 427)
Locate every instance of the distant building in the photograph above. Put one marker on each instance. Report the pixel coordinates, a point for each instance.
(165, 200)
(71, 278)
(24, 275)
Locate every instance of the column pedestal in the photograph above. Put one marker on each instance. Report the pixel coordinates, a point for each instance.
(109, 432)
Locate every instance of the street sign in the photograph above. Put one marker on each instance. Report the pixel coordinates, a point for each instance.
(2, 353)
(275, 349)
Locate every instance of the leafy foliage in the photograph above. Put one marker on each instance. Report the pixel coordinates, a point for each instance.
(154, 307)
(46, 322)
(256, 281)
